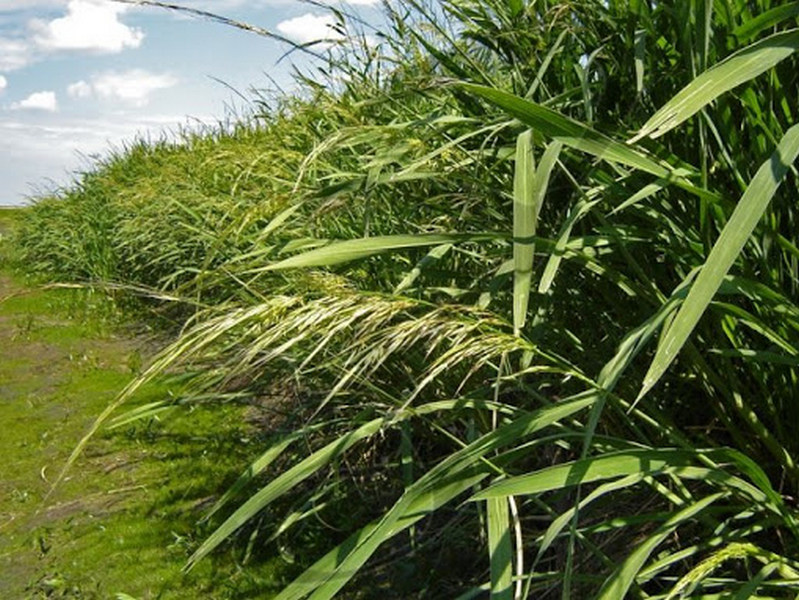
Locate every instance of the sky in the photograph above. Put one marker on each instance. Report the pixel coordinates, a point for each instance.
(78, 77)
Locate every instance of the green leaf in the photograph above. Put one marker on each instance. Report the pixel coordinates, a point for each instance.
(529, 189)
(283, 484)
(500, 548)
(564, 519)
(423, 505)
(587, 470)
(340, 252)
(561, 243)
(738, 68)
(750, 588)
(446, 480)
(640, 56)
(617, 585)
(318, 459)
(525, 215)
(751, 27)
(733, 237)
(570, 132)
(429, 259)
(259, 465)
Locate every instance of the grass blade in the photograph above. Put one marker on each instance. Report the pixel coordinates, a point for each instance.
(529, 188)
(640, 56)
(429, 259)
(283, 484)
(436, 486)
(570, 132)
(724, 252)
(311, 579)
(617, 585)
(750, 28)
(739, 68)
(258, 466)
(563, 520)
(525, 214)
(587, 470)
(500, 548)
(341, 252)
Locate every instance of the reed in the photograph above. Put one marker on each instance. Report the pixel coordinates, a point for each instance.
(532, 267)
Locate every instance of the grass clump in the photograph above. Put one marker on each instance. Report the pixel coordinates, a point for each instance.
(528, 270)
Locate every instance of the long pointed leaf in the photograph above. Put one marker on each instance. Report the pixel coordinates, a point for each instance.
(750, 28)
(570, 132)
(742, 223)
(619, 582)
(596, 468)
(424, 504)
(459, 465)
(500, 548)
(540, 185)
(524, 223)
(739, 68)
(283, 484)
(348, 250)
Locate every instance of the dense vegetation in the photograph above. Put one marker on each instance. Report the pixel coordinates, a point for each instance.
(508, 351)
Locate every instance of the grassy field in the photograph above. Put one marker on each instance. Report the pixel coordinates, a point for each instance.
(124, 518)
(519, 281)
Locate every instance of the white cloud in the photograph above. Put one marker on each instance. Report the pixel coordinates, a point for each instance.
(14, 54)
(42, 151)
(79, 89)
(89, 25)
(133, 87)
(38, 101)
(310, 28)
(12, 5)
(3, 83)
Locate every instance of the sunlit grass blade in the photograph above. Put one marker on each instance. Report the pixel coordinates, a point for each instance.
(428, 260)
(525, 214)
(500, 548)
(723, 254)
(640, 56)
(258, 466)
(341, 252)
(562, 521)
(570, 132)
(528, 193)
(283, 484)
(312, 578)
(587, 470)
(739, 68)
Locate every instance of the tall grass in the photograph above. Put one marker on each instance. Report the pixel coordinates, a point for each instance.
(531, 270)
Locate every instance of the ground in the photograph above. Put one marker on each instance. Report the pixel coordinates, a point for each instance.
(123, 520)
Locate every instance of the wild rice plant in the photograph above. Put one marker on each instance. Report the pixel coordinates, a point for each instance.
(531, 267)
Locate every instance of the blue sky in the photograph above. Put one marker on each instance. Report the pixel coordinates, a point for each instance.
(80, 76)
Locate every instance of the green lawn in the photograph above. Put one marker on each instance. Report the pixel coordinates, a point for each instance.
(124, 518)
